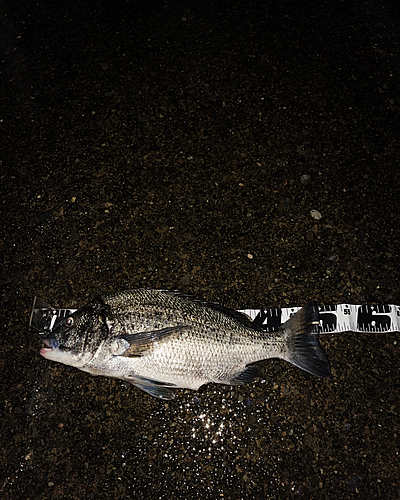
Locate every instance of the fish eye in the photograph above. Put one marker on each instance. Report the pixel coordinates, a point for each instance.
(69, 321)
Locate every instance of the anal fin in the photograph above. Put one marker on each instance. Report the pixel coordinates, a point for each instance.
(244, 377)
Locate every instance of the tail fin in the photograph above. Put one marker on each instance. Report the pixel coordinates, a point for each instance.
(304, 349)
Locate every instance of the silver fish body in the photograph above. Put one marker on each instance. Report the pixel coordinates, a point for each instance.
(159, 340)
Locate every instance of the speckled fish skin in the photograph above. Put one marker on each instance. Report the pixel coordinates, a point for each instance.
(160, 340)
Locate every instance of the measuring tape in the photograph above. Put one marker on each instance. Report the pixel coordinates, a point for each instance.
(44, 317)
(332, 319)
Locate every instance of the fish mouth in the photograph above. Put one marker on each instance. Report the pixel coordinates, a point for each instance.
(51, 344)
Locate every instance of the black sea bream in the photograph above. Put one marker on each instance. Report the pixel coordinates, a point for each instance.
(160, 340)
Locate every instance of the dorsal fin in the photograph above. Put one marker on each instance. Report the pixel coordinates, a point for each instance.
(232, 313)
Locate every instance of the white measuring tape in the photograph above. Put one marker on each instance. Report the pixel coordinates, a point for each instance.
(333, 318)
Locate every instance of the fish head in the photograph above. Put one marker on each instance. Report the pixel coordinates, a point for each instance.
(76, 339)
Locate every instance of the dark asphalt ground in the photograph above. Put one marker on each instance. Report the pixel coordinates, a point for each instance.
(159, 144)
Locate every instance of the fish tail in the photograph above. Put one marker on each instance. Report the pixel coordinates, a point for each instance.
(303, 347)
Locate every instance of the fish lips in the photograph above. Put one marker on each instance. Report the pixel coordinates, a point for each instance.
(51, 344)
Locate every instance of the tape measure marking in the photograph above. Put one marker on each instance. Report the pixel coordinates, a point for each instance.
(335, 318)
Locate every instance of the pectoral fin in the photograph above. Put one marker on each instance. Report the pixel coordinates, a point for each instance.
(141, 342)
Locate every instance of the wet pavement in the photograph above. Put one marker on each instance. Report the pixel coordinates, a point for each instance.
(183, 146)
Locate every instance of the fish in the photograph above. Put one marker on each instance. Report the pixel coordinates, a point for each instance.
(161, 340)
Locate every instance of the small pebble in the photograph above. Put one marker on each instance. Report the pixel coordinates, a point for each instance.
(315, 214)
(305, 179)
(309, 236)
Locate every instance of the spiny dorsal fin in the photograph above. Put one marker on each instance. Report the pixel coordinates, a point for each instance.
(232, 313)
